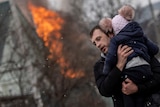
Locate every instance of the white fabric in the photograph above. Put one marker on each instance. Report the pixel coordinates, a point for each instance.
(136, 61)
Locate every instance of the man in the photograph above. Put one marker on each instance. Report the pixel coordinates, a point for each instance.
(110, 85)
(137, 68)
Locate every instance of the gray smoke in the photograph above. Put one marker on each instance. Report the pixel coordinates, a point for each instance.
(60, 5)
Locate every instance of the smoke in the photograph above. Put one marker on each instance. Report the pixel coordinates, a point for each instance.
(60, 5)
(42, 3)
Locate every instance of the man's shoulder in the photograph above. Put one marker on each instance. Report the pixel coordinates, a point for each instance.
(100, 60)
(99, 64)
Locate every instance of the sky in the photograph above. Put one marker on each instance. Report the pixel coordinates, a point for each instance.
(144, 2)
(58, 3)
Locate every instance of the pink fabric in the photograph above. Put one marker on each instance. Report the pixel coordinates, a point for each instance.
(118, 23)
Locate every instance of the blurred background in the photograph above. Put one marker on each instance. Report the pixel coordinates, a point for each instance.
(46, 57)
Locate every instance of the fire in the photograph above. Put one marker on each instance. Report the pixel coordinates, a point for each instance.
(48, 26)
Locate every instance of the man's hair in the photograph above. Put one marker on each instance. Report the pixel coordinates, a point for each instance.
(95, 28)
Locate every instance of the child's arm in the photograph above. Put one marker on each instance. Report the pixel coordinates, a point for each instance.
(153, 49)
(111, 56)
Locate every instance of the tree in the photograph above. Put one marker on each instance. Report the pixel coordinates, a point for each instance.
(90, 12)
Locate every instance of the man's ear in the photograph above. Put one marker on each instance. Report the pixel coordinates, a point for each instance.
(111, 35)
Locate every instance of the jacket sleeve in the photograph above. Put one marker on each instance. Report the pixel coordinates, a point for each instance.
(152, 47)
(153, 85)
(107, 84)
(111, 57)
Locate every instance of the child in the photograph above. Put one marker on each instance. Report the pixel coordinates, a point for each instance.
(106, 24)
(128, 32)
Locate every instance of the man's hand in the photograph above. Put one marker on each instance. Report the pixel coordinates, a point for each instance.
(128, 87)
(123, 52)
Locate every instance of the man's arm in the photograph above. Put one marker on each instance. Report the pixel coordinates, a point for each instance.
(153, 85)
(109, 84)
(128, 87)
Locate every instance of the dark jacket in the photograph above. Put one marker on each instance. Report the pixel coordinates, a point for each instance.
(109, 85)
(133, 36)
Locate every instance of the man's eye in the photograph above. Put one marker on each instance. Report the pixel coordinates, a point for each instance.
(98, 38)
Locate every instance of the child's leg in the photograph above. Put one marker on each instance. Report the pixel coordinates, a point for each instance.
(139, 101)
(133, 101)
(128, 101)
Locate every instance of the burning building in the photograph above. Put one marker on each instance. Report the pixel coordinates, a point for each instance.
(38, 67)
(19, 58)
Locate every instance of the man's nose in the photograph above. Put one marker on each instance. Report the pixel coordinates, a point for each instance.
(98, 45)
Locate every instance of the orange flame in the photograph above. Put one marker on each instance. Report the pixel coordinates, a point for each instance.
(48, 26)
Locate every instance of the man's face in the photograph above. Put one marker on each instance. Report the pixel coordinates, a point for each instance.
(101, 40)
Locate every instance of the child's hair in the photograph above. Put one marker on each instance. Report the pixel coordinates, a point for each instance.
(125, 14)
(127, 11)
(106, 24)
